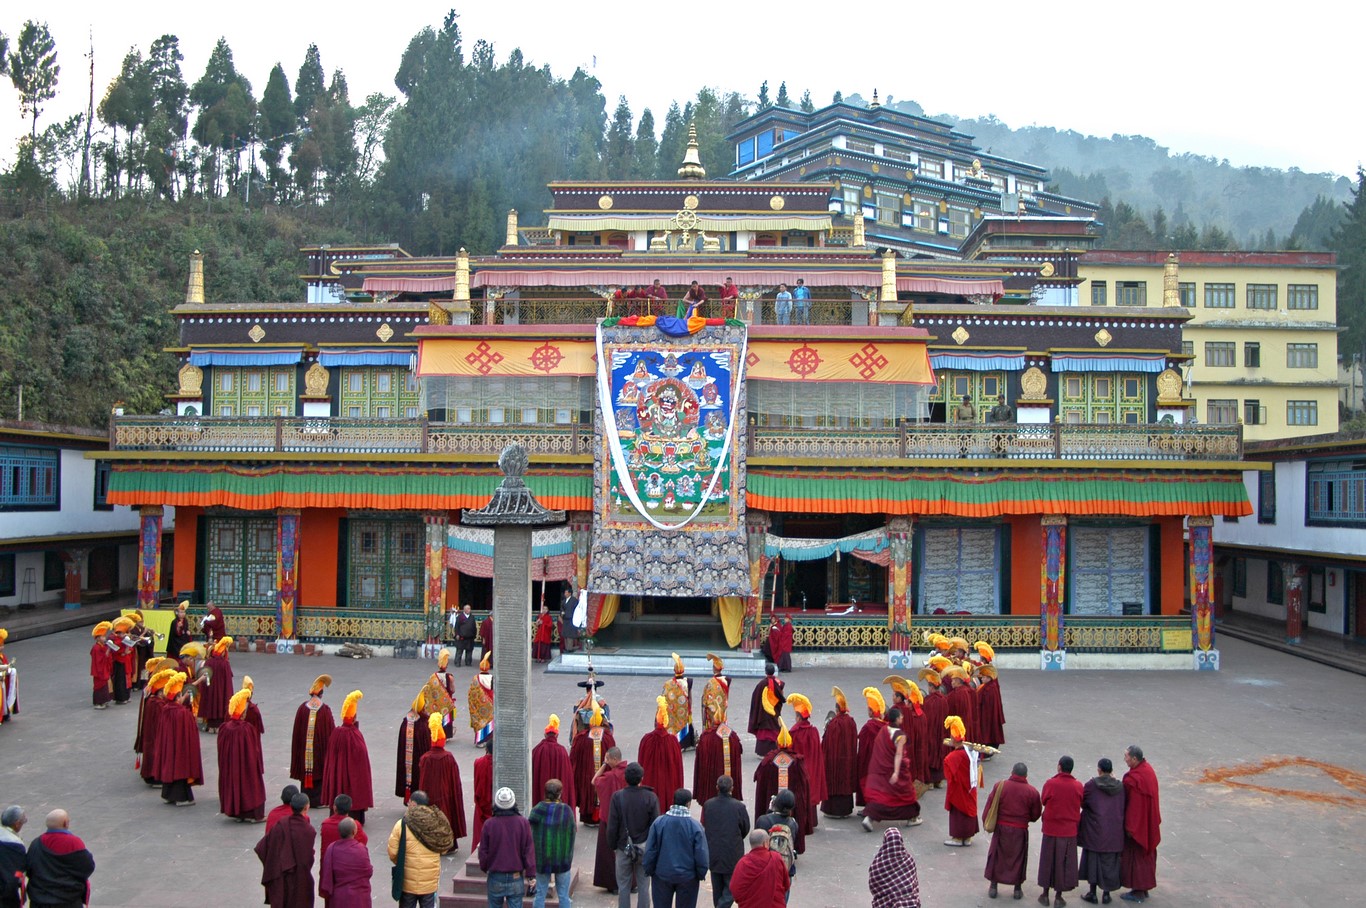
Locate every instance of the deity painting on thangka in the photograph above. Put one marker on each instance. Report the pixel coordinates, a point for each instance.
(673, 419)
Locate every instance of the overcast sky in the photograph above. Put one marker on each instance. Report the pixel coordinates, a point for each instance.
(1265, 86)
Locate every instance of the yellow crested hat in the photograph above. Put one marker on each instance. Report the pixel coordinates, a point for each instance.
(553, 725)
(939, 663)
(221, 645)
(443, 657)
(985, 651)
(678, 664)
(175, 683)
(958, 643)
(954, 726)
(784, 736)
(349, 705)
(4, 635)
(930, 676)
(159, 679)
(420, 702)
(987, 671)
(484, 663)
(596, 719)
(770, 701)
(248, 685)
(123, 624)
(237, 704)
(899, 685)
(437, 730)
(661, 711)
(101, 629)
(193, 650)
(320, 682)
(873, 697)
(841, 703)
(800, 703)
(717, 666)
(938, 641)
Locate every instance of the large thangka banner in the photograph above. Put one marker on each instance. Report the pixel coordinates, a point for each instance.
(669, 476)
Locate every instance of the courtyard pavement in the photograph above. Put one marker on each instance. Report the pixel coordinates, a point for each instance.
(1297, 839)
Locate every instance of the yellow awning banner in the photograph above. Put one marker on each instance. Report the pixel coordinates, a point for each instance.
(493, 356)
(708, 223)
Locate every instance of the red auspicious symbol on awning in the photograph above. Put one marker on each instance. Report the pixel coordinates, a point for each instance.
(546, 358)
(804, 360)
(484, 358)
(868, 361)
(752, 359)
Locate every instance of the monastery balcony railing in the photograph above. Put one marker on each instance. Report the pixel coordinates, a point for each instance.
(915, 441)
(1006, 633)
(534, 311)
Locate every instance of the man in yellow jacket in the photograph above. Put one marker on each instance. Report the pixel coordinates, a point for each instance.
(426, 836)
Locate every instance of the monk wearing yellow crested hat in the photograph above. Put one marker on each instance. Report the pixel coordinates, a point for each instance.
(102, 665)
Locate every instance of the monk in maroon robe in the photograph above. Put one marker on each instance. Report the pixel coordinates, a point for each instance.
(585, 756)
(1142, 827)
(214, 626)
(550, 760)
(1008, 854)
(960, 779)
(542, 636)
(348, 762)
(286, 854)
(784, 768)
(936, 707)
(313, 727)
(660, 754)
(440, 777)
(991, 717)
(610, 779)
(414, 738)
(962, 699)
(766, 710)
(486, 636)
(889, 786)
(806, 740)
(345, 871)
(253, 714)
(153, 703)
(178, 765)
(711, 762)
(1061, 797)
(908, 700)
(213, 706)
(102, 666)
(483, 793)
(839, 749)
(867, 735)
(241, 768)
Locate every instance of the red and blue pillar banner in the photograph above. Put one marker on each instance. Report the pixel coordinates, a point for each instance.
(1053, 574)
(752, 628)
(149, 556)
(434, 575)
(898, 583)
(1201, 534)
(286, 571)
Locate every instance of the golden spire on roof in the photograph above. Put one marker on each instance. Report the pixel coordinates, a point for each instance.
(692, 168)
(876, 102)
(194, 291)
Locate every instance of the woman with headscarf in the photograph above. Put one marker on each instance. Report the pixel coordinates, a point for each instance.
(892, 877)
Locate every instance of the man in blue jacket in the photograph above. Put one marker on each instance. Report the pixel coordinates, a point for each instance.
(676, 855)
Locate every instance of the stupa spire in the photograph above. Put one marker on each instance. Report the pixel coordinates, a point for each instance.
(692, 168)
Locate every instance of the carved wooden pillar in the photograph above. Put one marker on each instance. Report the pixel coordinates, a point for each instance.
(149, 556)
(1202, 582)
(286, 572)
(1053, 574)
(898, 594)
(756, 528)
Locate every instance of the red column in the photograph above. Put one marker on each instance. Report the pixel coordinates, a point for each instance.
(1294, 603)
(73, 559)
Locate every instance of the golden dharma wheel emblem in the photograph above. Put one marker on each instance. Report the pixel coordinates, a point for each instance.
(1047, 269)
(910, 175)
(1104, 337)
(315, 380)
(256, 333)
(191, 380)
(801, 171)
(960, 335)
(776, 203)
(690, 202)
(604, 202)
(1033, 384)
(384, 332)
(876, 168)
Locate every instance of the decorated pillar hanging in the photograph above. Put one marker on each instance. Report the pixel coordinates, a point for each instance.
(286, 571)
(1201, 582)
(756, 528)
(434, 580)
(1053, 571)
(898, 593)
(581, 538)
(149, 556)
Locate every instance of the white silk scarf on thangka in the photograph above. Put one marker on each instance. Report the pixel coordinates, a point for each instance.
(669, 476)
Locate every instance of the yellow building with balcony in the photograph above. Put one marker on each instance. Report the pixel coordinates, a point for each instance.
(1262, 340)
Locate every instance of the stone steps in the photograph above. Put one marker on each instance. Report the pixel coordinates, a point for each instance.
(470, 891)
(656, 662)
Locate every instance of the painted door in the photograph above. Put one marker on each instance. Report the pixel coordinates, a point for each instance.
(959, 571)
(1107, 568)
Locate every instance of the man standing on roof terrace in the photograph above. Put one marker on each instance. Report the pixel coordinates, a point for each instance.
(801, 296)
(782, 305)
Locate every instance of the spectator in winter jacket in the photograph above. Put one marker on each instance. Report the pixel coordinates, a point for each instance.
(676, 856)
(59, 866)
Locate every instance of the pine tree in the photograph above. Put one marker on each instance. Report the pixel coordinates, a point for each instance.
(275, 121)
(163, 159)
(808, 106)
(1314, 227)
(838, 97)
(763, 96)
(783, 100)
(310, 84)
(646, 152)
(127, 103)
(33, 70)
(619, 155)
(227, 112)
(1349, 242)
(672, 142)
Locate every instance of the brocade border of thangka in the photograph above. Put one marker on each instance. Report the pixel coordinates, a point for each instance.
(706, 561)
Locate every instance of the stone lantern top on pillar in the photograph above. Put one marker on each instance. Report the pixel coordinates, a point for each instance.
(512, 503)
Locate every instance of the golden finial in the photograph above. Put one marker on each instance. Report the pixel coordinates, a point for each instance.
(876, 102)
(692, 168)
(194, 292)
(1171, 281)
(462, 276)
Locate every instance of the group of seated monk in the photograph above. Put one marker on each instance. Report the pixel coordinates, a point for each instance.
(652, 300)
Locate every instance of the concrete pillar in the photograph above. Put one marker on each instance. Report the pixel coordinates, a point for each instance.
(1053, 571)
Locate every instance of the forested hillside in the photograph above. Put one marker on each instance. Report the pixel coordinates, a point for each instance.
(99, 214)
